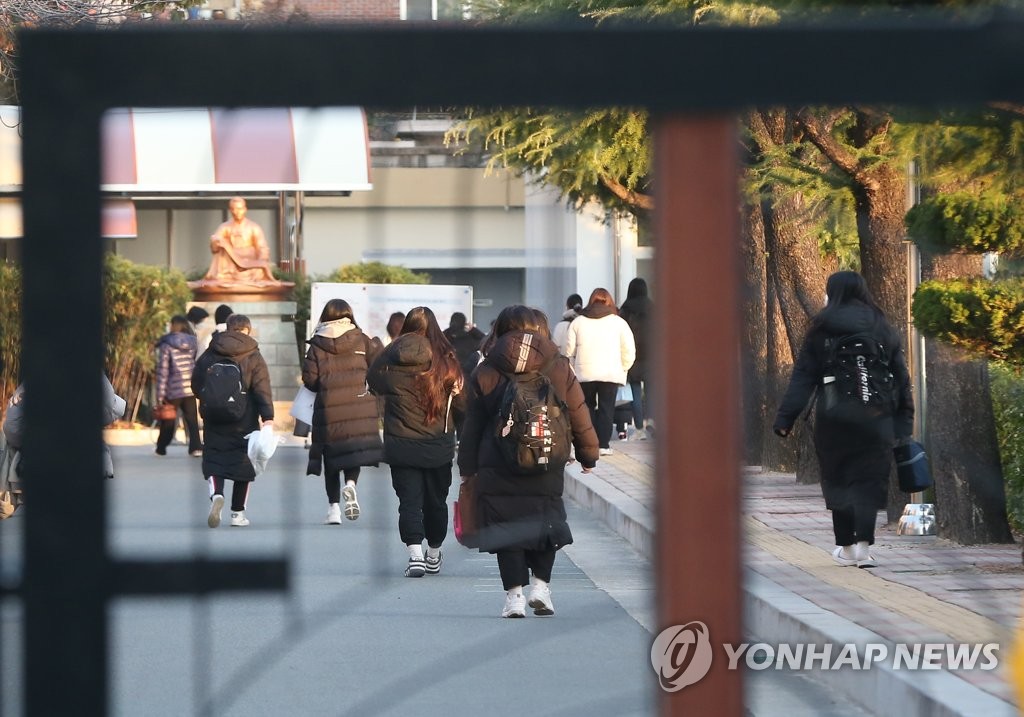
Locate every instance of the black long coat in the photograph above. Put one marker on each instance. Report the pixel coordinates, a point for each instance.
(637, 312)
(225, 448)
(855, 459)
(516, 511)
(345, 420)
(409, 439)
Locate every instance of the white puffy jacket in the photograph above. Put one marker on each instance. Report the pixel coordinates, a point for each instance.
(600, 349)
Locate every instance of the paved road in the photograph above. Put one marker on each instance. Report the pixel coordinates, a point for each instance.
(355, 637)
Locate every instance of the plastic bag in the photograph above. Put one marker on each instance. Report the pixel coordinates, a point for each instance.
(624, 395)
(262, 444)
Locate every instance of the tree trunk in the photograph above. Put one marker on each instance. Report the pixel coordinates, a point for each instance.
(796, 276)
(754, 348)
(970, 497)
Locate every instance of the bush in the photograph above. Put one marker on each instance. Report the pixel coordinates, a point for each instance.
(1007, 390)
(984, 317)
(962, 222)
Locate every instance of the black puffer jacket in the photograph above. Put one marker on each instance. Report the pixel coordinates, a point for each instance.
(225, 448)
(408, 439)
(516, 511)
(345, 430)
(855, 459)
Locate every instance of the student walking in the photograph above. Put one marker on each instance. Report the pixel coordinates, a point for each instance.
(345, 419)
(176, 358)
(419, 377)
(573, 307)
(522, 518)
(853, 361)
(465, 340)
(636, 311)
(232, 383)
(600, 346)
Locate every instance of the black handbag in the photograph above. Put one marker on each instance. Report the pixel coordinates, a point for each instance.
(912, 467)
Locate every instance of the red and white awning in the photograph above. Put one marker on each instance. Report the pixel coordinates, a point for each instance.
(150, 151)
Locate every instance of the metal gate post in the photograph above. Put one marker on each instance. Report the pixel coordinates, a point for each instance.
(698, 561)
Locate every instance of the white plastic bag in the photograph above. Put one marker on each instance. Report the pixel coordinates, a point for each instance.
(262, 444)
(624, 395)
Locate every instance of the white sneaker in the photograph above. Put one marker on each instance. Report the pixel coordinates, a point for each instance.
(416, 568)
(640, 435)
(605, 452)
(844, 556)
(216, 506)
(515, 605)
(333, 514)
(351, 502)
(433, 565)
(862, 552)
(540, 600)
(238, 520)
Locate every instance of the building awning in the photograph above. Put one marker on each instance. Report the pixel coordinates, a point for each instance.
(154, 151)
(117, 219)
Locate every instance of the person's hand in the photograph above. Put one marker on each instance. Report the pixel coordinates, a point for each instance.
(781, 432)
(466, 478)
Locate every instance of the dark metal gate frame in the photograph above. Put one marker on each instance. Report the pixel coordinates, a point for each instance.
(693, 81)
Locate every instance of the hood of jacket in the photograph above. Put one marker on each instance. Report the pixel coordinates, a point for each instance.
(598, 311)
(337, 337)
(521, 351)
(179, 340)
(850, 318)
(233, 344)
(410, 350)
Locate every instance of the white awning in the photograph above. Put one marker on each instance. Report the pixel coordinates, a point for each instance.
(153, 151)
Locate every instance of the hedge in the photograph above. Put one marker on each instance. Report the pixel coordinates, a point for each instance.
(986, 318)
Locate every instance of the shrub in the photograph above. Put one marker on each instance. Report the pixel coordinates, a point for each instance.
(983, 317)
(962, 222)
(1007, 390)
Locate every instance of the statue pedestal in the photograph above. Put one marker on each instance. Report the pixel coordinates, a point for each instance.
(273, 326)
(229, 293)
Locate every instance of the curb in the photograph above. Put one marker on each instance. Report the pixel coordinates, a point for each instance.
(776, 615)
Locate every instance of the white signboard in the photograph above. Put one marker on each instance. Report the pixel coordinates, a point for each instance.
(373, 304)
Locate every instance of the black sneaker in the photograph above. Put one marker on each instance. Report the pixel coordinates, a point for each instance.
(433, 565)
(417, 568)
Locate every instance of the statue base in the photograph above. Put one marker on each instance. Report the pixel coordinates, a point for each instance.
(225, 291)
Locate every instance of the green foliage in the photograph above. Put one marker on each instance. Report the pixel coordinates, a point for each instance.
(139, 301)
(983, 317)
(375, 272)
(965, 222)
(1007, 389)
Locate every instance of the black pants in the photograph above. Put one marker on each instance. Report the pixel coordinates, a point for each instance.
(190, 415)
(239, 492)
(515, 566)
(332, 482)
(422, 503)
(854, 524)
(600, 398)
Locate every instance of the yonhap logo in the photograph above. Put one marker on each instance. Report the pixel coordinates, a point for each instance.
(681, 655)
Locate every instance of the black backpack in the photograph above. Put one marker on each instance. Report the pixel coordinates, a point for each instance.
(222, 399)
(533, 432)
(858, 384)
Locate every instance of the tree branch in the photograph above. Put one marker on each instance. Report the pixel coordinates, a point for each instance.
(633, 199)
(818, 133)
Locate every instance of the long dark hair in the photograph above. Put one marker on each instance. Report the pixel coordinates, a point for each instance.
(842, 288)
(337, 309)
(637, 288)
(436, 383)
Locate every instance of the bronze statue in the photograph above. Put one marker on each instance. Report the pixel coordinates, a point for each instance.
(240, 251)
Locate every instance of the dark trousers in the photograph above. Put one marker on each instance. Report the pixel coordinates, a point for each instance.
(190, 414)
(515, 565)
(422, 503)
(600, 398)
(332, 482)
(638, 403)
(854, 524)
(239, 492)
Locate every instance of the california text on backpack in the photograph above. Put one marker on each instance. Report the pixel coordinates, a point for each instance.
(222, 399)
(858, 384)
(533, 432)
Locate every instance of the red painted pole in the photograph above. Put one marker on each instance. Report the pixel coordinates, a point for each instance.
(698, 563)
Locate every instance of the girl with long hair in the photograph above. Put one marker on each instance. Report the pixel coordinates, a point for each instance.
(600, 345)
(419, 377)
(854, 448)
(345, 431)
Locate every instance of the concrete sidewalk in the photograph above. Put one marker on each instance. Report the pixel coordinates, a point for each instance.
(925, 590)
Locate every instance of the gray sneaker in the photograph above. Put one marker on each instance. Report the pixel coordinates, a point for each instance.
(216, 506)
